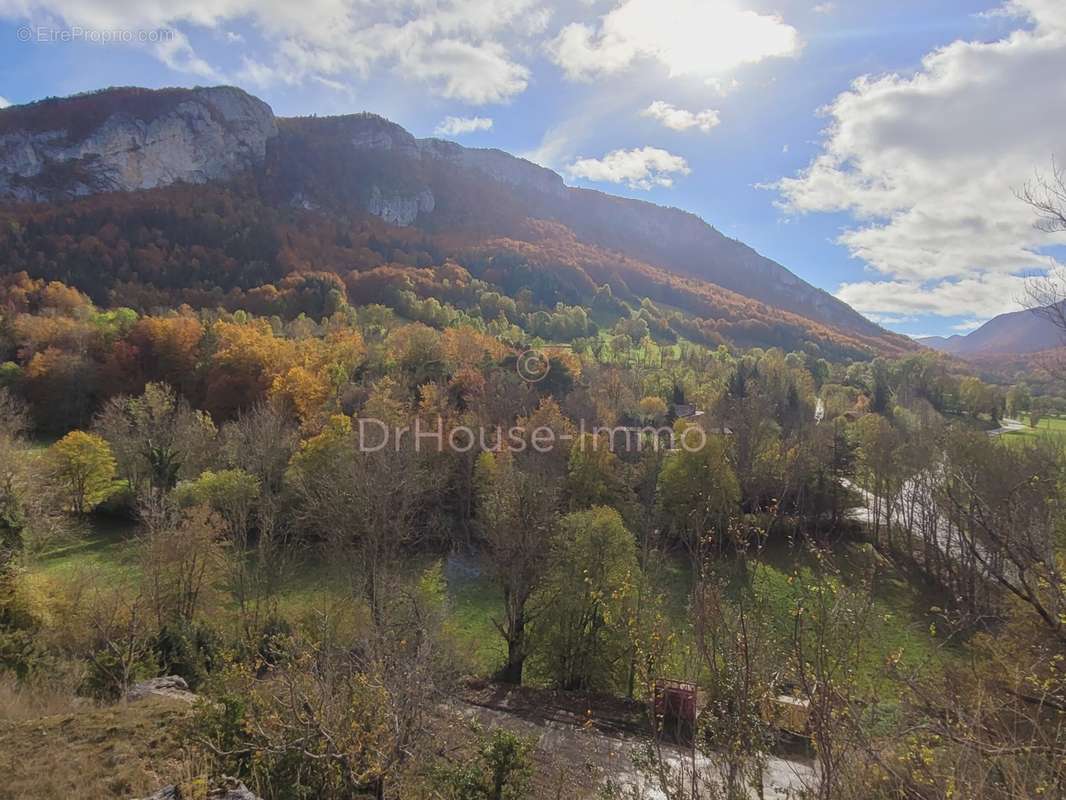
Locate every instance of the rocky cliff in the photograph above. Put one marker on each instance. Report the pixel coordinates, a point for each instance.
(196, 135)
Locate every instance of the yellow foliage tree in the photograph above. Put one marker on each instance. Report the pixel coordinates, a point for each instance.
(83, 464)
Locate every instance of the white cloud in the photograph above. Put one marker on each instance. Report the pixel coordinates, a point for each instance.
(723, 87)
(890, 319)
(178, 54)
(461, 49)
(4, 102)
(640, 168)
(927, 165)
(256, 73)
(981, 296)
(969, 325)
(825, 8)
(457, 126)
(1046, 14)
(472, 73)
(703, 38)
(680, 119)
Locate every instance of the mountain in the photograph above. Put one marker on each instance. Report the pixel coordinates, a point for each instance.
(945, 344)
(1015, 333)
(424, 174)
(119, 158)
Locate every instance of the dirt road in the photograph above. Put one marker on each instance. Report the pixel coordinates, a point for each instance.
(605, 739)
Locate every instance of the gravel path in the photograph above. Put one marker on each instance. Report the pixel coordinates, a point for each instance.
(608, 745)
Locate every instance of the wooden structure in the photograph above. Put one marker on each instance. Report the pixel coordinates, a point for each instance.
(677, 709)
(787, 714)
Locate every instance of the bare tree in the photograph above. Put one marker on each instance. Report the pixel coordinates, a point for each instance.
(181, 554)
(1045, 295)
(1047, 195)
(366, 507)
(1006, 504)
(157, 438)
(261, 441)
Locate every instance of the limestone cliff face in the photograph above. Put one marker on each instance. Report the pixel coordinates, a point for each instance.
(196, 136)
(397, 208)
(497, 165)
(405, 195)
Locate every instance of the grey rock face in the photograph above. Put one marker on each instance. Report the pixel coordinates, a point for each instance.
(213, 133)
(230, 789)
(495, 164)
(399, 209)
(171, 686)
(374, 133)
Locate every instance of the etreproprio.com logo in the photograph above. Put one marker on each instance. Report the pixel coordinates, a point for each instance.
(46, 34)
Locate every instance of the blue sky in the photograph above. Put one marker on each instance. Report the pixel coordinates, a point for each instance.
(895, 193)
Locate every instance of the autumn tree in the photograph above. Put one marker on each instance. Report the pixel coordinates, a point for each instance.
(232, 497)
(829, 639)
(502, 769)
(595, 475)
(586, 600)
(366, 502)
(32, 512)
(733, 638)
(181, 557)
(516, 512)
(83, 464)
(699, 493)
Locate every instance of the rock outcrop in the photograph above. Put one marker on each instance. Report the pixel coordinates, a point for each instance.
(171, 686)
(228, 789)
(399, 209)
(198, 135)
(405, 193)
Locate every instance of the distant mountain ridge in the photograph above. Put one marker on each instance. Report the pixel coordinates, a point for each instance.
(1014, 333)
(142, 140)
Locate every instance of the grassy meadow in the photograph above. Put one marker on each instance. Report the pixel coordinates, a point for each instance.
(1048, 427)
(899, 624)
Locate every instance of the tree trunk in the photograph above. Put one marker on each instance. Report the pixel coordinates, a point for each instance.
(516, 656)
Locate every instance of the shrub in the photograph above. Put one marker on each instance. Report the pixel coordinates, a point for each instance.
(501, 770)
(313, 729)
(189, 651)
(111, 672)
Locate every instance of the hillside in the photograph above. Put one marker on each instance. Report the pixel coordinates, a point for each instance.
(438, 185)
(350, 195)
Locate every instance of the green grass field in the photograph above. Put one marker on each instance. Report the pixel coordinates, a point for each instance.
(1051, 427)
(107, 549)
(898, 623)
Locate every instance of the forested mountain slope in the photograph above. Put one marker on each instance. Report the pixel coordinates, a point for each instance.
(202, 196)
